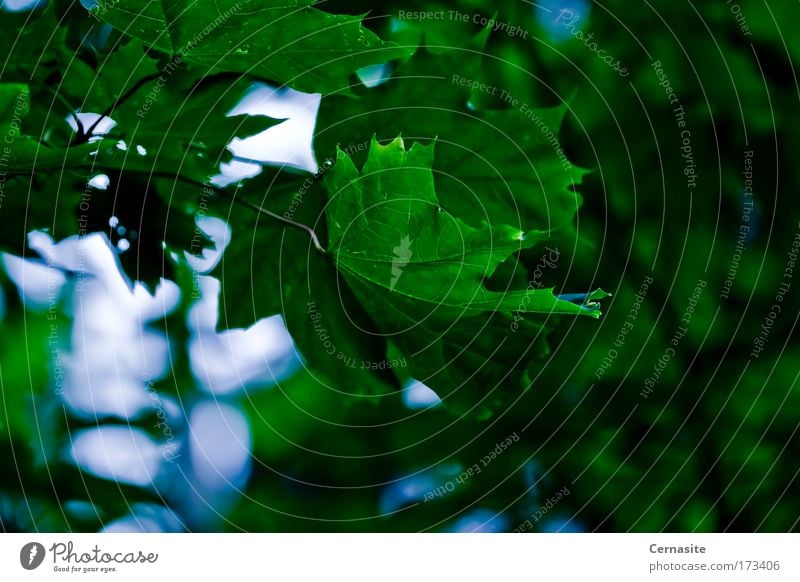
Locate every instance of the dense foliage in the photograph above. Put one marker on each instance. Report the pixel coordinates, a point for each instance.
(464, 215)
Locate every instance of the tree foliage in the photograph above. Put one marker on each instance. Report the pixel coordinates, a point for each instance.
(422, 246)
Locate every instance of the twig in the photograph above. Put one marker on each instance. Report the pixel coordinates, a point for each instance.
(283, 219)
(120, 100)
(58, 96)
(255, 207)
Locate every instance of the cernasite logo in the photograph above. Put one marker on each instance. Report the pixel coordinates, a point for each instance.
(31, 555)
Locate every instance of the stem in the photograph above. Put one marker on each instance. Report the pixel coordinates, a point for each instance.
(244, 160)
(120, 100)
(283, 219)
(255, 207)
(84, 136)
(59, 97)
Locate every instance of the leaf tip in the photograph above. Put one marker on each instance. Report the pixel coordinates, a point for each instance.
(588, 303)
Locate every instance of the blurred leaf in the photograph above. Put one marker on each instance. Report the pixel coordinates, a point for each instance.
(270, 268)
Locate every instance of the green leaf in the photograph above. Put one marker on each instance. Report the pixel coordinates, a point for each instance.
(26, 386)
(96, 88)
(46, 202)
(14, 107)
(419, 271)
(491, 166)
(271, 268)
(29, 39)
(160, 114)
(287, 41)
(181, 132)
(176, 135)
(14, 100)
(22, 153)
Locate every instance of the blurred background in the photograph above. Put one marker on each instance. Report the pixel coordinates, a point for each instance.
(125, 408)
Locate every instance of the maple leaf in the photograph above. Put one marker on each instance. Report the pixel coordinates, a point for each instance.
(456, 332)
(287, 41)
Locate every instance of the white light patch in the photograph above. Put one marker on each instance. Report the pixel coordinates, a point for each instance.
(374, 75)
(219, 445)
(104, 125)
(39, 284)
(20, 5)
(229, 361)
(119, 453)
(417, 396)
(288, 142)
(219, 232)
(100, 182)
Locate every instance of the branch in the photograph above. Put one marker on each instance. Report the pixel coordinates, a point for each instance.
(71, 110)
(278, 217)
(255, 207)
(120, 100)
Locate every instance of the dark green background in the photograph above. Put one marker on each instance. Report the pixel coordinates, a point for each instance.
(713, 448)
